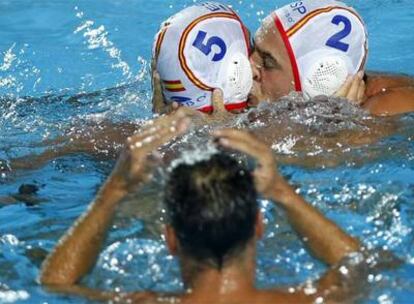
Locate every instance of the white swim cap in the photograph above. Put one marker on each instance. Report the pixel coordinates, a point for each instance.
(203, 47)
(326, 41)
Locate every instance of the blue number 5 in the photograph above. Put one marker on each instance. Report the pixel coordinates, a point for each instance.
(206, 48)
(335, 40)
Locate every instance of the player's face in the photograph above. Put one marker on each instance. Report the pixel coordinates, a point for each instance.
(272, 71)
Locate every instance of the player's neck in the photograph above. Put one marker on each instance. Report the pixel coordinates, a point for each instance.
(235, 276)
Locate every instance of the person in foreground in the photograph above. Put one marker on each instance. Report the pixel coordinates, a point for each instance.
(214, 225)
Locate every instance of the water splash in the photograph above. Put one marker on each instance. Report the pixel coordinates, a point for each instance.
(97, 38)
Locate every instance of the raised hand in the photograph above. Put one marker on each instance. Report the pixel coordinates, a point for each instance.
(268, 182)
(135, 162)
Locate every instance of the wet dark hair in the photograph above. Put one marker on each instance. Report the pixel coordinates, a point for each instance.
(212, 206)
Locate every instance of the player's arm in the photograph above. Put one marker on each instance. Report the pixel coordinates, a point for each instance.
(388, 94)
(101, 140)
(377, 82)
(326, 240)
(77, 251)
(330, 246)
(380, 94)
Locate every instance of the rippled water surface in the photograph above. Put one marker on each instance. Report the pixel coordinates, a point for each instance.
(67, 65)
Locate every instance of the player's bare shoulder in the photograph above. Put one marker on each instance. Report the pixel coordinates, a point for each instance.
(389, 94)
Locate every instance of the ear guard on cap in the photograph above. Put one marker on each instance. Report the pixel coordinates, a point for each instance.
(325, 72)
(235, 78)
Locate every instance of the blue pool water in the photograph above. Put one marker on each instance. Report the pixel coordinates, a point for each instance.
(52, 50)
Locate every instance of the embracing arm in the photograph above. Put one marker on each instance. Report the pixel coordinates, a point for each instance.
(388, 94)
(104, 139)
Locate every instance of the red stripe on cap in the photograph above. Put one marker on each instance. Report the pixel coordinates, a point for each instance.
(295, 70)
(207, 109)
(229, 107)
(235, 106)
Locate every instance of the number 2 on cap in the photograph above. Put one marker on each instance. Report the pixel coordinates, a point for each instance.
(335, 40)
(207, 48)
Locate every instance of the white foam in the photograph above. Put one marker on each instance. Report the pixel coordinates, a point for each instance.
(193, 156)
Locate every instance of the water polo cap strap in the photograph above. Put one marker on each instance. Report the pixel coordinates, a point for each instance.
(289, 49)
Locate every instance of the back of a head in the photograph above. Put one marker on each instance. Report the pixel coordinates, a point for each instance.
(212, 206)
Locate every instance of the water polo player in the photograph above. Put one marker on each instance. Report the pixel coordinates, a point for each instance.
(312, 46)
(213, 225)
(202, 48)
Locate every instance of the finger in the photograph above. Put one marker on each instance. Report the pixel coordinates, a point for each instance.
(343, 90)
(353, 91)
(244, 142)
(361, 92)
(175, 105)
(170, 120)
(150, 127)
(169, 108)
(158, 103)
(153, 126)
(188, 112)
(263, 156)
(217, 100)
(234, 133)
(162, 136)
(143, 166)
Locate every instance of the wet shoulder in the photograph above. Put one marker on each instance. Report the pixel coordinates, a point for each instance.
(259, 297)
(280, 296)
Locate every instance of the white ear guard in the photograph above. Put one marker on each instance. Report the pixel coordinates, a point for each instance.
(325, 72)
(236, 78)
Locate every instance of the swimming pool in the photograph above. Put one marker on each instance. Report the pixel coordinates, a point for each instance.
(53, 50)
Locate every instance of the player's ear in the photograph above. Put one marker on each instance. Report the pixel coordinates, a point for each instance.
(259, 228)
(171, 239)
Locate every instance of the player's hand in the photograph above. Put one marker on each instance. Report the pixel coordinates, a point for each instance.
(135, 163)
(159, 105)
(219, 112)
(353, 89)
(267, 180)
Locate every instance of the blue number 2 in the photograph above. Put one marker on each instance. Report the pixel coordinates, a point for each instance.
(335, 40)
(206, 48)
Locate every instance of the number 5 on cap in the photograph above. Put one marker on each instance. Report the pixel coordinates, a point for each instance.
(207, 48)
